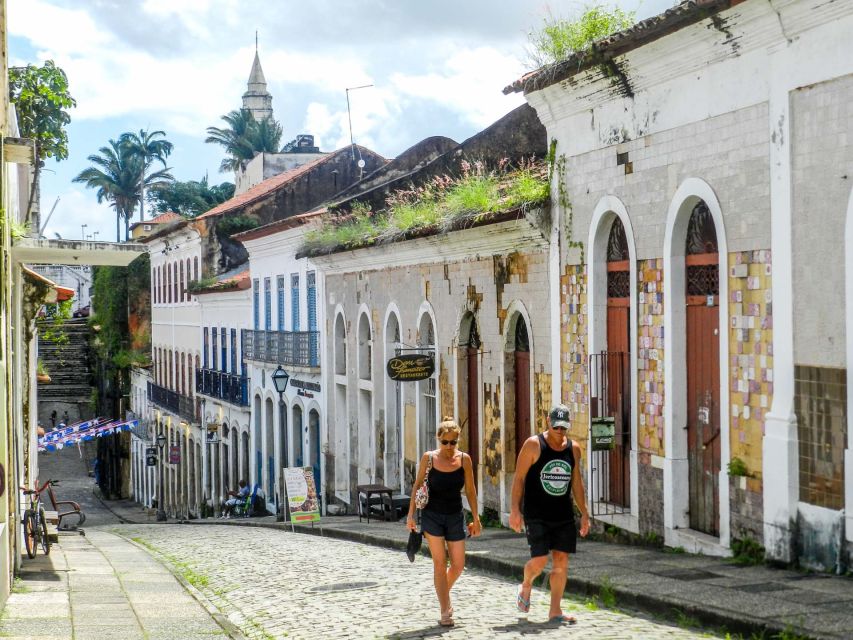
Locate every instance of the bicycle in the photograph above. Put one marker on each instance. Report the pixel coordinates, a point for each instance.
(35, 523)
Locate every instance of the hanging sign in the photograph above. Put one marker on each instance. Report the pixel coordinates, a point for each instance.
(411, 367)
(603, 434)
(150, 456)
(175, 454)
(301, 494)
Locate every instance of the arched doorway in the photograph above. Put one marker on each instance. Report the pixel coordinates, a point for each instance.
(369, 455)
(269, 450)
(428, 417)
(341, 417)
(220, 480)
(617, 395)
(245, 463)
(393, 406)
(468, 386)
(257, 442)
(702, 292)
(236, 473)
(517, 386)
(312, 457)
(296, 436)
(283, 454)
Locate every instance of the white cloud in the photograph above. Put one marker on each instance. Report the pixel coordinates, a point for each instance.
(76, 208)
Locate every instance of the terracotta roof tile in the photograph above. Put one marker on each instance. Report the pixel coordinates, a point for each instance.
(169, 216)
(268, 186)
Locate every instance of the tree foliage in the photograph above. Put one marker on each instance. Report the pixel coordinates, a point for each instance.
(116, 176)
(147, 148)
(559, 38)
(190, 198)
(244, 137)
(41, 97)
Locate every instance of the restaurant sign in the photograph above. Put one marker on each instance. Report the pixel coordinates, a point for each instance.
(411, 367)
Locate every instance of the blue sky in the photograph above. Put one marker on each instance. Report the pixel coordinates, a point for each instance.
(177, 65)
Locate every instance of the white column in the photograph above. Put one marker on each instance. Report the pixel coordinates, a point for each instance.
(779, 447)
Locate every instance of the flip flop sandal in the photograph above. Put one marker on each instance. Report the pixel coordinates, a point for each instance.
(447, 619)
(563, 618)
(520, 601)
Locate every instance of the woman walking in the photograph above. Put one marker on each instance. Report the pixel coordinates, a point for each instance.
(447, 471)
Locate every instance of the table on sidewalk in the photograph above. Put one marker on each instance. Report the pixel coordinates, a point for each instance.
(375, 489)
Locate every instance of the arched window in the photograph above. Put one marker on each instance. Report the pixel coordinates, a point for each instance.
(369, 456)
(175, 295)
(195, 268)
(189, 277)
(181, 288)
(168, 283)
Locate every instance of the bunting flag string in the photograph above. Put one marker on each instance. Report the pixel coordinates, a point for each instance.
(82, 432)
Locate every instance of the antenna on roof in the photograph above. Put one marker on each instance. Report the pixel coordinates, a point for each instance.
(349, 117)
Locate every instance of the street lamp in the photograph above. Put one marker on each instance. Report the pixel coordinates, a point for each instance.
(83, 231)
(161, 513)
(280, 378)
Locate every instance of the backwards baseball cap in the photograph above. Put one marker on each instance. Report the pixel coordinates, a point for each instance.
(559, 416)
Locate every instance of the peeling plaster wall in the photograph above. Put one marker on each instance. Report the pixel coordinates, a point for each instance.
(485, 285)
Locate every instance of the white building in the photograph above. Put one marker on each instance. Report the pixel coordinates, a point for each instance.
(285, 331)
(222, 384)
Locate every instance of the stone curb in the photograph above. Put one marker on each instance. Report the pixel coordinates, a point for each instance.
(655, 605)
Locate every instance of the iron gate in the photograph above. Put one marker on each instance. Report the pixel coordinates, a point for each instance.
(610, 480)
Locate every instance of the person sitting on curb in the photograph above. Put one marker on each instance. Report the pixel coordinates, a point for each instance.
(237, 497)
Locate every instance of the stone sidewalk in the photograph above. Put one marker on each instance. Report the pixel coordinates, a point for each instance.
(713, 591)
(98, 586)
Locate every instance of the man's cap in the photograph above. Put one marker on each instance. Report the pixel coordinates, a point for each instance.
(559, 416)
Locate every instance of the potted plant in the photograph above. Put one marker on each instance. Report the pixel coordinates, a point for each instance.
(41, 373)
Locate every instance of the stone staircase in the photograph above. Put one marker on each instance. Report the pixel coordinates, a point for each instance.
(67, 365)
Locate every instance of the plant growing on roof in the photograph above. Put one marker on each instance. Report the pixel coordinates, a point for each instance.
(559, 38)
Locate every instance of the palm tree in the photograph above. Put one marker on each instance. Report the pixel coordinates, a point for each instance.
(144, 146)
(244, 137)
(116, 177)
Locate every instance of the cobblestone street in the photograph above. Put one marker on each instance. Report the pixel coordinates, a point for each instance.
(277, 584)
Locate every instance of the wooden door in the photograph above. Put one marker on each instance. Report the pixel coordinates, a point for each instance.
(703, 408)
(473, 407)
(618, 400)
(522, 398)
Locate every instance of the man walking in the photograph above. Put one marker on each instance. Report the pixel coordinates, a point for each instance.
(547, 474)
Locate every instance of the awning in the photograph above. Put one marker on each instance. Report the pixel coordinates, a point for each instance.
(57, 293)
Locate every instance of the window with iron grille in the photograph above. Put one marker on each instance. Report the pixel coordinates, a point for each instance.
(234, 351)
(279, 290)
(294, 301)
(618, 269)
(214, 347)
(703, 270)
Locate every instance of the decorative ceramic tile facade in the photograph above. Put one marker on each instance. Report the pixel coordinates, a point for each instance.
(650, 356)
(574, 368)
(751, 356)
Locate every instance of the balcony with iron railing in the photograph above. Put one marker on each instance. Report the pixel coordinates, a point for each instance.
(299, 348)
(224, 386)
(174, 402)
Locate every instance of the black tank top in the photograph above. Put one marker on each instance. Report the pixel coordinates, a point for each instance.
(548, 485)
(445, 490)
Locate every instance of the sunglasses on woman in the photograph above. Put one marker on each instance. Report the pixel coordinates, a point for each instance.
(447, 442)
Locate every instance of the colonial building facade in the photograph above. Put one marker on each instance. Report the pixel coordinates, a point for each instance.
(691, 194)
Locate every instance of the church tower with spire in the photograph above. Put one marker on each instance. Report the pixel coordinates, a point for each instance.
(257, 99)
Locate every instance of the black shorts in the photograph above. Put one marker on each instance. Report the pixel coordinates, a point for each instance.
(450, 526)
(544, 536)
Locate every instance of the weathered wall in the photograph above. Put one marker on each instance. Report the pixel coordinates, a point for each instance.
(485, 285)
(822, 169)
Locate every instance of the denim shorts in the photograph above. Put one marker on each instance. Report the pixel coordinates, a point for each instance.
(450, 526)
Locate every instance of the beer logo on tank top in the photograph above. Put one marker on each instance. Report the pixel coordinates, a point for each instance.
(555, 477)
